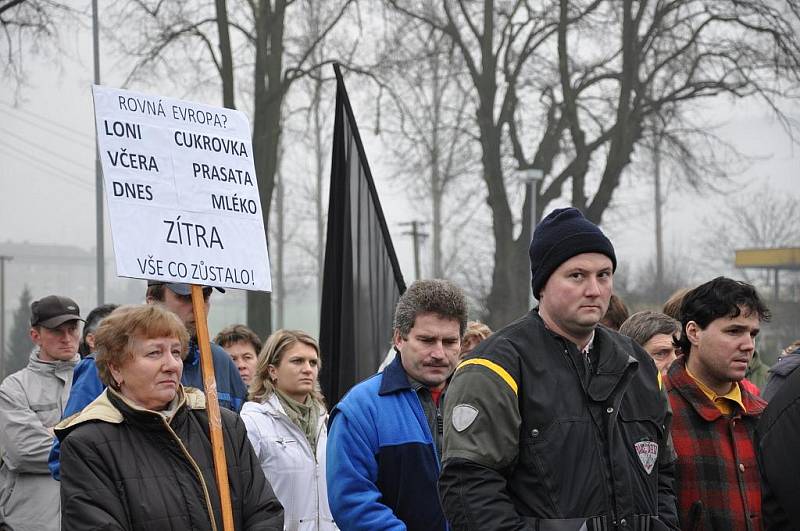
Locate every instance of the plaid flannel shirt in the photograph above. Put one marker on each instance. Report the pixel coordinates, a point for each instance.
(717, 481)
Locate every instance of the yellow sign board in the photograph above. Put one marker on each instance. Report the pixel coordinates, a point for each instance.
(779, 258)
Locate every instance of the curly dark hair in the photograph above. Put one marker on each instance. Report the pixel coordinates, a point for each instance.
(721, 297)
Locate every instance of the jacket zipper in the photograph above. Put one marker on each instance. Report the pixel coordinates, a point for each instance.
(197, 471)
(316, 475)
(610, 494)
(428, 429)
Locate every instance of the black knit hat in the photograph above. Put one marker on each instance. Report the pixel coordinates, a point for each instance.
(562, 234)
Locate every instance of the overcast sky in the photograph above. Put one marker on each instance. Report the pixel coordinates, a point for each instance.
(47, 166)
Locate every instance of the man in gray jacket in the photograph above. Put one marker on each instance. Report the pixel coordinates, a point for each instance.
(31, 403)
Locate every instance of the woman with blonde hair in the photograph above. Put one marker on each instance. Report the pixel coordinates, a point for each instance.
(286, 423)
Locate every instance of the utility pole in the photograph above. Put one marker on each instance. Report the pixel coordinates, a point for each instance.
(3, 260)
(776, 292)
(658, 203)
(98, 174)
(417, 237)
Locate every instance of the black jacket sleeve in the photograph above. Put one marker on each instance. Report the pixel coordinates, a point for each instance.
(480, 445)
(667, 502)
(89, 497)
(777, 439)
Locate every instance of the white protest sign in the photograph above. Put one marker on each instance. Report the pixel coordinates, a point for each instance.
(182, 193)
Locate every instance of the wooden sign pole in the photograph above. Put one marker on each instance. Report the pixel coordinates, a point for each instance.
(212, 407)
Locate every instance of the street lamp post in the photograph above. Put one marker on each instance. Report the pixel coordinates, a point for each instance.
(533, 178)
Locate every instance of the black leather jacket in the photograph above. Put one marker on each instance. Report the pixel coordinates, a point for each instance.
(555, 444)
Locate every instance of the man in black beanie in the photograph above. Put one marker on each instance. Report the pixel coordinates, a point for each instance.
(554, 422)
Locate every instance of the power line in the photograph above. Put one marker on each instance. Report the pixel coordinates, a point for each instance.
(44, 119)
(48, 168)
(36, 146)
(45, 166)
(43, 126)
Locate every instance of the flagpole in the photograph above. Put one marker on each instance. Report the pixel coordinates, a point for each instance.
(212, 407)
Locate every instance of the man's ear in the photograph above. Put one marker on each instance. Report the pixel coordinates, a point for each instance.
(693, 331)
(90, 340)
(397, 339)
(34, 333)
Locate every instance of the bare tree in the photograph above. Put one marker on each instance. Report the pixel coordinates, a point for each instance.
(311, 121)
(424, 125)
(568, 87)
(760, 217)
(272, 49)
(26, 24)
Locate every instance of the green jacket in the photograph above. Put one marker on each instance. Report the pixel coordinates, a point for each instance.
(757, 371)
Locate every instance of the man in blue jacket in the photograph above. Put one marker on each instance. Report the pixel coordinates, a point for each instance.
(385, 435)
(177, 298)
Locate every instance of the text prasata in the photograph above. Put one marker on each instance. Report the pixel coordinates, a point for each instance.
(221, 173)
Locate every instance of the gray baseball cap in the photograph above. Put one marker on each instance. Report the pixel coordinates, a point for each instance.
(179, 288)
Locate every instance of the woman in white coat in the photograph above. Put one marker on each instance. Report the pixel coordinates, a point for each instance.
(286, 423)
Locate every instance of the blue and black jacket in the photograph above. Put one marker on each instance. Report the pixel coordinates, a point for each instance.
(382, 461)
(86, 386)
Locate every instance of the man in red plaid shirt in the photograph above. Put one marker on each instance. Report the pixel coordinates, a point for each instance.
(714, 418)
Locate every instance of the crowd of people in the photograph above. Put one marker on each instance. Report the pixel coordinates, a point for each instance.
(577, 416)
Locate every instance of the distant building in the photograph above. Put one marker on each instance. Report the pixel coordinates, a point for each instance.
(70, 270)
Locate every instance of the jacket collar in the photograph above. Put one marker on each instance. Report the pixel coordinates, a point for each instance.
(100, 409)
(678, 378)
(110, 407)
(394, 377)
(272, 406)
(51, 367)
(786, 363)
(612, 362)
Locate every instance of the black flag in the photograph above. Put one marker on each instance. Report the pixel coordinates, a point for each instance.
(362, 281)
